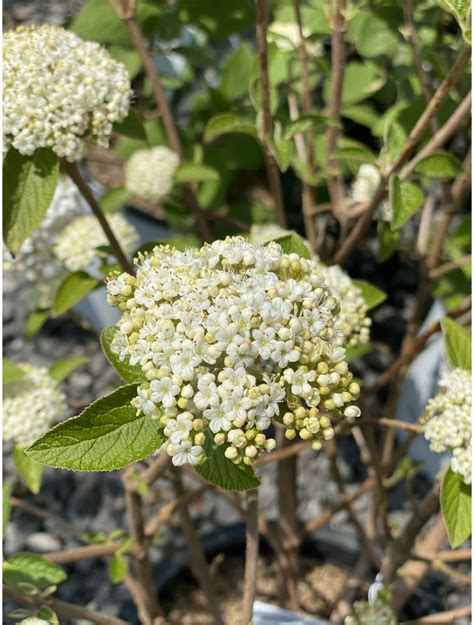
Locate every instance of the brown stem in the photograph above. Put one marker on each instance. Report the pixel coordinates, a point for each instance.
(198, 561)
(63, 608)
(413, 138)
(282, 453)
(449, 266)
(288, 526)
(73, 172)
(338, 60)
(393, 424)
(86, 552)
(273, 174)
(140, 550)
(202, 226)
(47, 516)
(399, 550)
(251, 555)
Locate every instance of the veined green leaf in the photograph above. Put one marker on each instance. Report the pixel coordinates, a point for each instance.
(293, 244)
(114, 199)
(359, 155)
(107, 435)
(29, 187)
(72, 289)
(312, 122)
(456, 508)
(406, 200)
(223, 473)
(32, 569)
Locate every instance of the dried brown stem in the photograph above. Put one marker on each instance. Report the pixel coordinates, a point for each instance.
(273, 174)
(63, 608)
(251, 555)
(86, 552)
(413, 138)
(73, 172)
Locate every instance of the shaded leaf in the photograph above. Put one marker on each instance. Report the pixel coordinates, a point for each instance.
(195, 172)
(29, 187)
(456, 508)
(358, 155)
(72, 289)
(114, 199)
(63, 368)
(406, 200)
(35, 322)
(132, 127)
(28, 469)
(7, 490)
(439, 165)
(372, 295)
(294, 244)
(226, 123)
(457, 344)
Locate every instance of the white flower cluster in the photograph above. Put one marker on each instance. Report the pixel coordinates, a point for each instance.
(33, 620)
(35, 261)
(352, 318)
(33, 403)
(286, 36)
(230, 336)
(448, 421)
(364, 187)
(77, 246)
(149, 173)
(57, 89)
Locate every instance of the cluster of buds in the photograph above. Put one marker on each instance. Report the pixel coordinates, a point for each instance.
(58, 89)
(352, 318)
(364, 187)
(447, 423)
(149, 173)
(229, 337)
(79, 243)
(32, 404)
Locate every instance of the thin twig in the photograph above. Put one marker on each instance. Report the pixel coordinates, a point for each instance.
(273, 173)
(198, 561)
(414, 137)
(63, 608)
(251, 555)
(65, 526)
(441, 618)
(338, 60)
(86, 552)
(450, 266)
(73, 172)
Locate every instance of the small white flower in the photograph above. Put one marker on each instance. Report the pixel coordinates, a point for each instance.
(186, 453)
(149, 173)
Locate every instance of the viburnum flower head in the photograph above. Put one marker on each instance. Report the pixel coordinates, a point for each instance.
(58, 89)
(149, 173)
(32, 404)
(352, 318)
(35, 261)
(448, 421)
(77, 246)
(229, 337)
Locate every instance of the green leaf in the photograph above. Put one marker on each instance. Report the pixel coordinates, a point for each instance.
(388, 241)
(222, 472)
(456, 508)
(457, 344)
(129, 373)
(357, 351)
(237, 72)
(313, 122)
(439, 165)
(107, 435)
(227, 123)
(29, 187)
(6, 510)
(97, 21)
(371, 35)
(10, 372)
(372, 295)
(28, 469)
(461, 9)
(72, 289)
(114, 199)
(282, 149)
(195, 172)
(293, 244)
(118, 568)
(63, 368)
(32, 569)
(358, 155)
(406, 200)
(46, 614)
(127, 57)
(132, 127)
(35, 322)
(360, 81)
